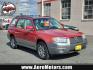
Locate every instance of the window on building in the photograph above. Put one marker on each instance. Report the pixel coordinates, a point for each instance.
(66, 8)
(88, 9)
(47, 7)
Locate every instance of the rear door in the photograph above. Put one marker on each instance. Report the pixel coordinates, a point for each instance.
(19, 31)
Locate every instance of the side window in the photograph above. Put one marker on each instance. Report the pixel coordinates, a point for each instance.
(28, 23)
(21, 23)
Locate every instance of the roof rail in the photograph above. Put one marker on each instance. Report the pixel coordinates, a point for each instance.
(34, 16)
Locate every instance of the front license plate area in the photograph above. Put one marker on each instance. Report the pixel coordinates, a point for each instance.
(78, 47)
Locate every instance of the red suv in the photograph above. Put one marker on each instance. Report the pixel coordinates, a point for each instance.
(45, 35)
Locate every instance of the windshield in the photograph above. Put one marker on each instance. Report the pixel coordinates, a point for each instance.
(47, 23)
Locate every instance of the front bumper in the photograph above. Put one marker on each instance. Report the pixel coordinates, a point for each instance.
(55, 49)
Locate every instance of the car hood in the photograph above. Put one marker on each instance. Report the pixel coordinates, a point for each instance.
(60, 33)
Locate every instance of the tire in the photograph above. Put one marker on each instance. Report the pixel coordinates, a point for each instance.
(42, 51)
(13, 43)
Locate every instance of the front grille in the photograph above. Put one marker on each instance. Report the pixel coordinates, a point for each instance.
(75, 40)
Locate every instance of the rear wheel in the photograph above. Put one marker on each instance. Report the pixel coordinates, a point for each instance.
(13, 43)
(42, 50)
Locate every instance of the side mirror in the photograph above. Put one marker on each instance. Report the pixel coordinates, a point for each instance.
(29, 28)
(62, 25)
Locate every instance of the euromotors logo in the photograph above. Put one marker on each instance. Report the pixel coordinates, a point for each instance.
(8, 8)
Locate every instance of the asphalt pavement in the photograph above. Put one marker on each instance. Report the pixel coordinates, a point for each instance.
(27, 56)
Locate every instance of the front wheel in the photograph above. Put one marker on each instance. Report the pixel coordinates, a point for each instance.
(13, 43)
(42, 50)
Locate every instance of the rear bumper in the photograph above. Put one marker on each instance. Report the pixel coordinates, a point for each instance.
(55, 49)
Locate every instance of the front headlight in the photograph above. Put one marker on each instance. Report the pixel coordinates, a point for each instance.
(60, 40)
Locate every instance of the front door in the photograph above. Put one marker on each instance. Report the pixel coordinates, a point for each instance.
(30, 36)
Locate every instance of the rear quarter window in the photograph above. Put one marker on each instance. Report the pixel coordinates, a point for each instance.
(13, 22)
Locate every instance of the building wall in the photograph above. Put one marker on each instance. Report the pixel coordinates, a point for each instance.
(85, 26)
(39, 9)
(76, 18)
(55, 9)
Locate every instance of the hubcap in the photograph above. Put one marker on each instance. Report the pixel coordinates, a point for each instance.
(13, 43)
(41, 51)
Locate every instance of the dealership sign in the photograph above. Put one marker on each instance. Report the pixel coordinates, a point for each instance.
(8, 9)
